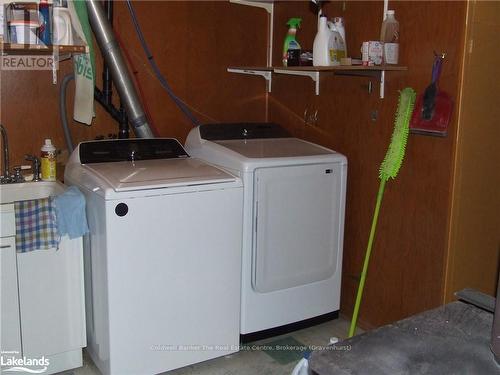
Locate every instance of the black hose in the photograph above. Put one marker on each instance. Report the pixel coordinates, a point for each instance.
(157, 71)
(62, 111)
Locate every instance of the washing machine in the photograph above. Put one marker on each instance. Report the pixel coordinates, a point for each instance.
(293, 220)
(163, 258)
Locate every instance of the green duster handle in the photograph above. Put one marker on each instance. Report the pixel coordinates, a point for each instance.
(361, 286)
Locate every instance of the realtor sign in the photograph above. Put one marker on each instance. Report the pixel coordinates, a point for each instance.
(28, 62)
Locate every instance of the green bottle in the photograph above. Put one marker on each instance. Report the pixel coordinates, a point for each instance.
(290, 41)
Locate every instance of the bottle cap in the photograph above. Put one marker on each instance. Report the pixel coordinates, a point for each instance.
(48, 146)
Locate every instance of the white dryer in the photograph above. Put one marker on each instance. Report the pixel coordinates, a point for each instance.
(162, 262)
(293, 220)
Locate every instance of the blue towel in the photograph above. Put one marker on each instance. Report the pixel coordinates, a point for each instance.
(70, 213)
(36, 227)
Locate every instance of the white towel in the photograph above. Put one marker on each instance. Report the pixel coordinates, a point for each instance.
(83, 65)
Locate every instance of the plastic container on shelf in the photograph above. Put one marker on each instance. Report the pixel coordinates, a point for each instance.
(23, 32)
(337, 46)
(45, 23)
(389, 35)
(48, 158)
(322, 44)
(338, 23)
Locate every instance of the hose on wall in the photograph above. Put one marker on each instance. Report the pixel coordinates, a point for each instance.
(180, 104)
(62, 111)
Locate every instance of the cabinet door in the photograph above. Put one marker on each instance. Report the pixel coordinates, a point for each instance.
(51, 299)
(10, 327)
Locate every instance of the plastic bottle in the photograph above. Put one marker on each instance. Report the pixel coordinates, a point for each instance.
(291, 43)
(301, 368)
(322, 44)
(338, 23)
(389, 35)
(48, 158)
(45, 34)
(337, 44)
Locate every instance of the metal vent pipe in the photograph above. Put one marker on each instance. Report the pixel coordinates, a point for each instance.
(113, 58)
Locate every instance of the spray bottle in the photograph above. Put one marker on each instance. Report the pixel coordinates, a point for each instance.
(291, 43)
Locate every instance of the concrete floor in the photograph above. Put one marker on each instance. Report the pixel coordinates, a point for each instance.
(248, 362)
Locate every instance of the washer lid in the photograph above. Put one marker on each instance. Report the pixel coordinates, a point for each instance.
(160, 173)
(274, 148)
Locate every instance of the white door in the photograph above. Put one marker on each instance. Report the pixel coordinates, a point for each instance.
(10, 325)
(51, 299)
(296, 225)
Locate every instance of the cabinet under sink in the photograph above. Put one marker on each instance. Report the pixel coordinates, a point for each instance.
(42, 295)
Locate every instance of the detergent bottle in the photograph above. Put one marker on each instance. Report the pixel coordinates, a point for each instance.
(291, 48)
(337, 48)
(323, 44)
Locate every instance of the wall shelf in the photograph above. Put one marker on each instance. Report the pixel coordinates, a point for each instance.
(315, 72)
(59, 52)
(38, 49)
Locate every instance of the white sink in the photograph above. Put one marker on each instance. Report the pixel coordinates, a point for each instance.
(10, 193)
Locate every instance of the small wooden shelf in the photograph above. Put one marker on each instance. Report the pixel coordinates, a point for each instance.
(58, 53)
(36, 49)
(314, 72)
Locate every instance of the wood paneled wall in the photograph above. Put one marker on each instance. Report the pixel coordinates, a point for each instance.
(193, 44)
(406, 273)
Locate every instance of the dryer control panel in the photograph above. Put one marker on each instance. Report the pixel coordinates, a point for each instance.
(242, 130)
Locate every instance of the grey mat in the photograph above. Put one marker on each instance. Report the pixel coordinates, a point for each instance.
(285, 350)
(453, 339)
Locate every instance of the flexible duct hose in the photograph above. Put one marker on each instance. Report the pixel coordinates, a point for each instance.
(62, 111)
(157, 71)
(113, 57)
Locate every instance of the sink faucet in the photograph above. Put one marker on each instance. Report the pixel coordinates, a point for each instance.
(35, 166)
(5, 147)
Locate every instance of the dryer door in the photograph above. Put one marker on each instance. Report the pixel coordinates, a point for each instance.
(296, 225)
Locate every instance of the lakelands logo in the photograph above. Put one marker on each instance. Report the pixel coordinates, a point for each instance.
(28, 62)
(11, 363)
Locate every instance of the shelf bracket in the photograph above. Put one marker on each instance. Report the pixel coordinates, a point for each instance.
(382, 84)
(266, 74)
(315, 76)
(267, 5)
